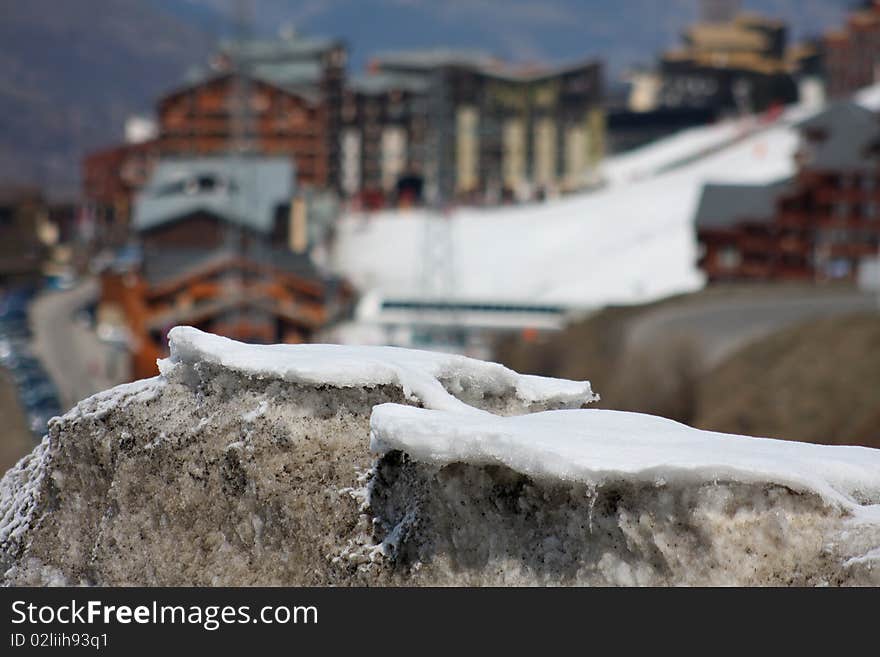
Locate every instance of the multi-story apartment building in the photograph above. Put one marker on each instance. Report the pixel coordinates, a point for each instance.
(461, 125)
(270, 97)
(737, 65)
(852, 54)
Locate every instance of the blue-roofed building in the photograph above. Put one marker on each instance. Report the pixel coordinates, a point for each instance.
(195, 202)
(221, 245)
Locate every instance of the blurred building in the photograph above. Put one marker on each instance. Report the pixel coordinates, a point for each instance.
(735, 65)
(214, 251)
(270, 97)
(461, 125)
(820, 225)
(852, 54)
(275, 97)
(628, 129)
(23, 248)
(111, 178)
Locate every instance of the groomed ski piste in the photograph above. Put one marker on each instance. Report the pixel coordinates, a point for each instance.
(632, 241)
(315, 464)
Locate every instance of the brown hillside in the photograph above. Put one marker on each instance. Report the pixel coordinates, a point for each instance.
(818, 382)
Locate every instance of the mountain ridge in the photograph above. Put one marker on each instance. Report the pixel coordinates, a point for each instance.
(58, 102)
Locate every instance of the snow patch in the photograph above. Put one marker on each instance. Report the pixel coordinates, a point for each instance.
(20, 495)
(426, 377)
(600, 446)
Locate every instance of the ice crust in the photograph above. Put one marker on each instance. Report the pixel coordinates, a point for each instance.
(597, 446)
(425, 376)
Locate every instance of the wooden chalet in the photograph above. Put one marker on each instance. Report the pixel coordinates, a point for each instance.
(22, 252)
(279, 97)
(213, 253)
(292, 88)
(819, 225)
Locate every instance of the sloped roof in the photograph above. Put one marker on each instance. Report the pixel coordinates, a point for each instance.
(429, 58)
(242, 191)
(383, 81)
(293, 63)
(284, 48)
(419, 62)
(722, 206)
(299, 78)
(161, 265)
(850, 130)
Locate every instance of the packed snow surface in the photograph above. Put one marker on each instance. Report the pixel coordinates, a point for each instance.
(423, 375)
(600, 446)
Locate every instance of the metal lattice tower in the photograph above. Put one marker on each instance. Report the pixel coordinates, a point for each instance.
(240, 146)
(437, 280)
(437, 275)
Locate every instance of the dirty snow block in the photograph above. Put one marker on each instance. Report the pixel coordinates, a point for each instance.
(238, 465)
(603, 497)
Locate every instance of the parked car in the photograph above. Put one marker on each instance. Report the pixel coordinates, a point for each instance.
(15, 327)
(38, 395)
(27, 377)
(14, 303)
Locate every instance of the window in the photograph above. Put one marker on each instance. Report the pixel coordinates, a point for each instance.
(729, 258)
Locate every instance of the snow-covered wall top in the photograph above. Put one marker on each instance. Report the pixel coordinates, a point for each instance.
(426, 376)
(600, 446)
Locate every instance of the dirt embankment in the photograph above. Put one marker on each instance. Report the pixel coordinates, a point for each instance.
(818, 382)
(815, 381)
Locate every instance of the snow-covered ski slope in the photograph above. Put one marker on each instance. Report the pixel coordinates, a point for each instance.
(630, 242)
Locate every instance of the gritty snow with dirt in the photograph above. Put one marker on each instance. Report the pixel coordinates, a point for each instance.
(321, 465)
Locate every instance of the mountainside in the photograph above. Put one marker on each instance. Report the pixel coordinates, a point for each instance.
(70, 72)
(623, 32)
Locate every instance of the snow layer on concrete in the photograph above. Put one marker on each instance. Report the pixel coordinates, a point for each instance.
(20, 496)
(600, 446)
(238, 465)
(437, 380)
(630, 242)
(250, 466)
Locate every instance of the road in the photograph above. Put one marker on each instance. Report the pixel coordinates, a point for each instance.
(16, 439)
(79, 363)
(723, 323)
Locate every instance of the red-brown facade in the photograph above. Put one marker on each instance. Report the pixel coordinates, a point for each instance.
(819, 226)
(852, 55)
(205, 119)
